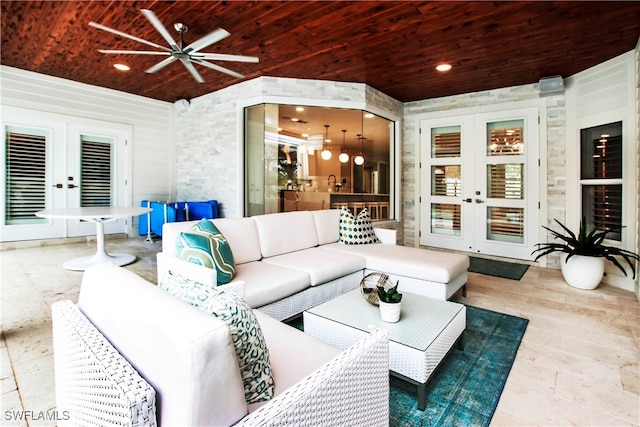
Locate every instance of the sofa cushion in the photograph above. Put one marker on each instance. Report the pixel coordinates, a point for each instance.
(246, 334)
(186, 355)
(356, 231)
(265, 283)
(284, 341)
(205, 245)
(327, 225)
(435, 266)
(242, 235)
(282, 233)
(322, 265)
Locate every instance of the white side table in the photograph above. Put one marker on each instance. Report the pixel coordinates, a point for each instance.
(97, 215)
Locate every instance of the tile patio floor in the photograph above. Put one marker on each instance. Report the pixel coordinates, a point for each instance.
(578, 363)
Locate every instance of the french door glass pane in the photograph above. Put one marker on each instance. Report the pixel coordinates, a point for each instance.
(25, 176)
(96, 171)
(505, 181)
(445, 141)
(505, 138)
(505, 224)
(446, 180)
(445, 219)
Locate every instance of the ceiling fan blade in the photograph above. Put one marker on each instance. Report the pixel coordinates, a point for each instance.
(160, 65)
(160, 28)
(192, 70)
(218, 68)
(226, 57)
(134, 52)
(207, 40)
(128, 36)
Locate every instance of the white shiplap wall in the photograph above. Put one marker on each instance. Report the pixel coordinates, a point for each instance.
(152, 121)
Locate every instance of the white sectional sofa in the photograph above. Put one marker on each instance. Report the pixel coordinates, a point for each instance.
(293, 261)
(130, 353)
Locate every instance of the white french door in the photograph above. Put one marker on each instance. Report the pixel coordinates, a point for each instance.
(479, 183)
(52, 161)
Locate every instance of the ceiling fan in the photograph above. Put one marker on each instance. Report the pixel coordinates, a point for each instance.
(188, 55)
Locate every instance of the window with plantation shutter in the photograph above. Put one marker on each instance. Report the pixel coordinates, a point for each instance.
(505, 181)
(96, 175)
(25, 178)
(601, 176)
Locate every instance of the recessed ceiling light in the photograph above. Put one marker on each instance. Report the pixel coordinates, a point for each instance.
(443, 67)
(121, 67)
(368, 115)
(299, 108)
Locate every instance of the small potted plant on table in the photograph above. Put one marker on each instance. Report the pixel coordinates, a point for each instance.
(389, 302)
(583, 255)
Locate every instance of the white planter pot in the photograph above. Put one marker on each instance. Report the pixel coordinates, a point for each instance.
(390, 312)
(582, 272)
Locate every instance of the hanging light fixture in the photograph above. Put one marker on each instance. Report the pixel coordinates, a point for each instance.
(359, 159)
(326, 153)
(344, 156)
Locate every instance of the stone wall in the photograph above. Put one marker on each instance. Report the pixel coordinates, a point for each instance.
(210, 143)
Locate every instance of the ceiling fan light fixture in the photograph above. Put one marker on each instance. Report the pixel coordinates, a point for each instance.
(121, 67)
(443, 67)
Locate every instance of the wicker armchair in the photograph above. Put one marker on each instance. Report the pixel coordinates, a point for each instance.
(95, 385)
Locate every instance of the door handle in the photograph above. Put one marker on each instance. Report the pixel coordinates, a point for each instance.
(467, 200)
(71, 186)
(58, 186)
(479, 201)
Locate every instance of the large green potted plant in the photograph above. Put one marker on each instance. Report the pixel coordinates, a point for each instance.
(584, 254)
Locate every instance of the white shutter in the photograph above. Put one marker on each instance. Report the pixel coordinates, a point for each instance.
(25, 177)
(96, 172)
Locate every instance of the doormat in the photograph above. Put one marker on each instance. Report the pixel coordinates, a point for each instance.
(491, 267)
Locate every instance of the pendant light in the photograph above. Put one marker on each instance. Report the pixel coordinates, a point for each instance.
(359, 159)
(344, 156)
(326, 153)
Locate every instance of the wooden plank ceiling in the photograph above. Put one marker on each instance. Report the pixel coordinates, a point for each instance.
(392, 46)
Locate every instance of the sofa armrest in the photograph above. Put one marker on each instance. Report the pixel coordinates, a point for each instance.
(93, 381)
(386, 236)
(195, 272)
(351, 389)
(199, 273)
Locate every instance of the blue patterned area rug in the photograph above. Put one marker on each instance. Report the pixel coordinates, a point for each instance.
(465, 389)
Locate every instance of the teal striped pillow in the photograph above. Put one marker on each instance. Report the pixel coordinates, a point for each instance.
(246, 335)
(204, 244)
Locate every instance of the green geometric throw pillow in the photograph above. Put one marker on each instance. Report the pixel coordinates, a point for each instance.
(356, 231)
(204, 244)
(248, 341)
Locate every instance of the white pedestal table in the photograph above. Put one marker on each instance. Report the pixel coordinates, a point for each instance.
(97, 215)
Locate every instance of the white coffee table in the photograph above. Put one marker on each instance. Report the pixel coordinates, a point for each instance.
(427, 330)
(98, 215)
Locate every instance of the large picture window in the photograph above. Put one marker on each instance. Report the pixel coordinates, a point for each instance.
(311, 158)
